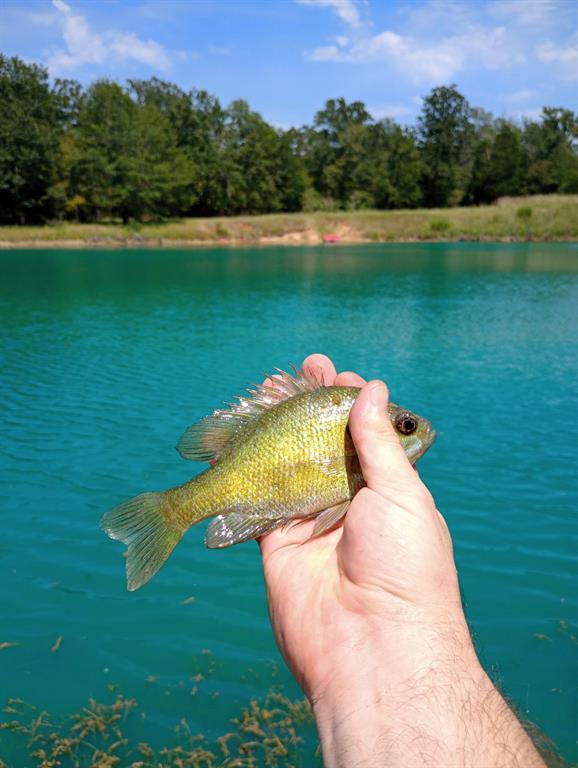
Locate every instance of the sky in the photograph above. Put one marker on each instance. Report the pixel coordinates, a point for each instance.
(287, 57)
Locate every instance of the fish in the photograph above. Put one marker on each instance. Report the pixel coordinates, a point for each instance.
(282, 453)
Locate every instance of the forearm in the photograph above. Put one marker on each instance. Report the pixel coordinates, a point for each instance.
(447, 713)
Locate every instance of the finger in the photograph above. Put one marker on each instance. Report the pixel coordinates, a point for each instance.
(294, 533)
(271, 380)
(349, 379)
(383, 461)
(320, 367)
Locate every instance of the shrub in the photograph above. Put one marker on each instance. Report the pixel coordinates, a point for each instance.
(524, 213)
(313, 201)
(360, 200)
(439, 225)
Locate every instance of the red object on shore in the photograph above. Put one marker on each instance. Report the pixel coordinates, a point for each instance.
(331, 237)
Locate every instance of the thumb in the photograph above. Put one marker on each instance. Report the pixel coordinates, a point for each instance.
(383, 461)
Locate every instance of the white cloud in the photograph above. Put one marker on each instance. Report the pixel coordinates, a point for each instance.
(518, 97)
(419, 55)
(549, 52)
(530, 113)
(525, 12)
(420, 63)
(186, 55)
(219, 50)
(423, 62)
(327, 53)
(346, 10)
(434, 41)
(43, 18)
(389, 110)
(566, 57)
(84, 46)
(126, 45)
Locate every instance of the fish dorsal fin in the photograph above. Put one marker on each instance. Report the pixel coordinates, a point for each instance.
(205, 440)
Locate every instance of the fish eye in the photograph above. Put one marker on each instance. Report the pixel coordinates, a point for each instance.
(406, 423)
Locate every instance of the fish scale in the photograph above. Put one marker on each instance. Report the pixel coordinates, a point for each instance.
(282, 453)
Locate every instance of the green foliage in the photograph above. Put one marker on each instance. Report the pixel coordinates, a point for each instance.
(446, 132)
(128, 164)
(28, 142)
(524, 213)
(403, 169)
(313, 202)
(500, 166)
(151, 150)
(251, 160)
(551, 145)
(439, 225)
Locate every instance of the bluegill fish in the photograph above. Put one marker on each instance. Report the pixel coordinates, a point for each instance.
(281, 453)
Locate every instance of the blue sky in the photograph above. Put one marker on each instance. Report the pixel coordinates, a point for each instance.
(286, 57)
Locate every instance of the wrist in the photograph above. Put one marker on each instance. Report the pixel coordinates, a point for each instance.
(378, 700)
(429, 703)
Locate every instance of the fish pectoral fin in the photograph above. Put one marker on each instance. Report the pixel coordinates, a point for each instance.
(329, 517)
(236, 527)
(205, 440)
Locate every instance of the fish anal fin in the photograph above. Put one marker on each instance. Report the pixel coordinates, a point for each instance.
(206, 440)
(236, 527)
(329, 517)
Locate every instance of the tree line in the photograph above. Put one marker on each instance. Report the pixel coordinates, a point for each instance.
(150, 150)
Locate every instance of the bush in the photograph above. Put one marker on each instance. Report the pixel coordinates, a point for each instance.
(360, 200)
(439, 225)
(221, 231)
(313, 201)
(524, 213)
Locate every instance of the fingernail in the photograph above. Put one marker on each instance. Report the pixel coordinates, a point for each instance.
(375, 395)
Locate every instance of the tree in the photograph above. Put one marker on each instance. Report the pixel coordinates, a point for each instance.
(337, 150)
(445, 133)
(552, 149)
(500, 167)
(249, 162)
(403, 167)
(68, 97)
(129, 164)
(205, 144)
(291, 177)
(28, 142)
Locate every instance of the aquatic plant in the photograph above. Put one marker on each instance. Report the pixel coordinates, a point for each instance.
(267, 733)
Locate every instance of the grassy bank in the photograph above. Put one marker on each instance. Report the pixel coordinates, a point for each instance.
(544, 217)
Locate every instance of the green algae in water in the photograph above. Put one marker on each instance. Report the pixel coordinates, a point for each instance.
(269, 733)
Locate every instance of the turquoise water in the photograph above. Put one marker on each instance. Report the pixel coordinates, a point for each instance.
(107, 356)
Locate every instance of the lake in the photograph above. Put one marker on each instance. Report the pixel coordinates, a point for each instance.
(108, 355)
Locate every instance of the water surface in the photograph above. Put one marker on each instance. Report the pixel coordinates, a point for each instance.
(107, 356)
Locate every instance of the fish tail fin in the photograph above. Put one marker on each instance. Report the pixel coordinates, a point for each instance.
(142, 524)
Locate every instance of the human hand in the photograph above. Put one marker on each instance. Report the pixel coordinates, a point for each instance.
(369, 616)
(389, 567)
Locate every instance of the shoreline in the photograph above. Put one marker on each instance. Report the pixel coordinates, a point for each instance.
(289, 240)
(539, 218)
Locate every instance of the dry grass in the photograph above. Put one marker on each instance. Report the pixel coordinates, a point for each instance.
(542, 217)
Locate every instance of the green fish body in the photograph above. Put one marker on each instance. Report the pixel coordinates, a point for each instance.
(280, 454)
